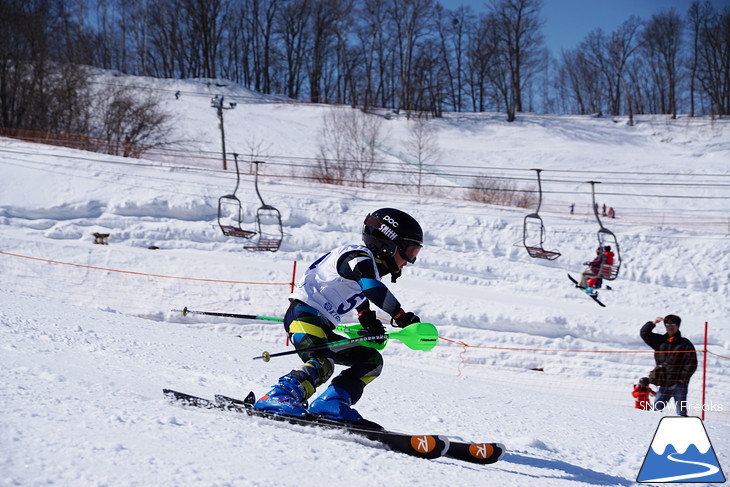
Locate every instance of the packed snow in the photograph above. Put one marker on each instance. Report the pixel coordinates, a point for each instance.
(89, 336)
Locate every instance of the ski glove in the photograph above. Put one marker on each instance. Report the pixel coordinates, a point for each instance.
(402, 319)
(371, 324)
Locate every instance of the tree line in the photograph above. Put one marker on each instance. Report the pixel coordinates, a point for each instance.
(401, 55)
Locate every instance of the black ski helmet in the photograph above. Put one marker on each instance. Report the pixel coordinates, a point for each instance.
(387, 230)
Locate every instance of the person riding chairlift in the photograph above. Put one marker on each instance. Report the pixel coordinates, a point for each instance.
(590, 278)
(604, 269)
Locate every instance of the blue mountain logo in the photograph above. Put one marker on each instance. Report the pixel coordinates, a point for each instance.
(680, 452)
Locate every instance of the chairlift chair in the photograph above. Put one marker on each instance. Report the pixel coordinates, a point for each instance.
(230, 215)
(606, 237)
(268, 223)
(533, 231)
(230, 212)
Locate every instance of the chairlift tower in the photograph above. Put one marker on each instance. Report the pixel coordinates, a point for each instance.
(217, 103)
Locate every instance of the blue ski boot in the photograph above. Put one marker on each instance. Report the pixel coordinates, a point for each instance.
(335, 403)
(284, 398)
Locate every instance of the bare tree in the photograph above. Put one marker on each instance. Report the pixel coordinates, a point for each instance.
(519, 25)
(623, 44)
(364, 134)
(258, 20)
(661, 41)
(348, 58)
(320, 28)
(412, 20)
(696, 18)
(453, 28)
(205, 18)
(169, 40)
(482, 53)
(333, 150)
(714, 60)
(422, 146)
(129, 123)
(293, 20)
(595, 68)
(349, 143)
(500, 191)
(573, 79)
(371, 33)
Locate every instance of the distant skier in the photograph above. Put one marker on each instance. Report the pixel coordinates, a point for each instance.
(676, 357)
(346, 278)
(642, 392)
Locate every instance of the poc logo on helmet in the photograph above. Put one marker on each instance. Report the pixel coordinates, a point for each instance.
(390, 220)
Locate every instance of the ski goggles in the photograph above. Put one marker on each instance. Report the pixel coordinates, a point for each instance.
(410, 252)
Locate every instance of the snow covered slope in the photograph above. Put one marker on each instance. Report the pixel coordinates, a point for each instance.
(86, 349)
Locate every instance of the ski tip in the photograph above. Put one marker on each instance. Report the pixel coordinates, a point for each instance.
(501, 447)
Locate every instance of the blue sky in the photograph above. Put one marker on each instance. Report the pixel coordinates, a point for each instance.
(567, 22)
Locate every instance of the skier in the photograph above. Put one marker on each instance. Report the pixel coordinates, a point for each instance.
(641, 394)
(676, 355)
(346, 278)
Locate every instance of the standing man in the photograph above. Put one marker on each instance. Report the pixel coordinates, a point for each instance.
(676, 356)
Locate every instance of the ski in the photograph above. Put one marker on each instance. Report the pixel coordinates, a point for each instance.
(483, 453)
(422, 446)
(594, 298)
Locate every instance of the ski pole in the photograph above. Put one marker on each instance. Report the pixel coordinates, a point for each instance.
(185, 311)
(338, 345)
